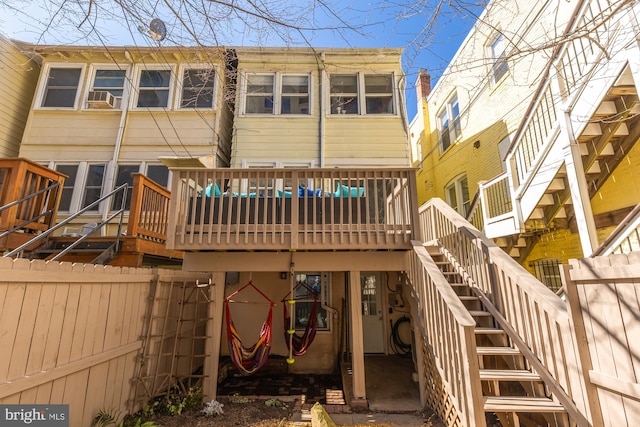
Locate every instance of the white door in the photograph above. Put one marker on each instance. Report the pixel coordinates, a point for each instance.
(372, 322)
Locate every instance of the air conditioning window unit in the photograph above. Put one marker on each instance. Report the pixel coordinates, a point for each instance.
(101, 99)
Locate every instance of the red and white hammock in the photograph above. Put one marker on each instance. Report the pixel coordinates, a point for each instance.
(249, 359)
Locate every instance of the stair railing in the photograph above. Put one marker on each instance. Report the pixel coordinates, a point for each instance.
(537, 317)
(45, 235)
(455, 354)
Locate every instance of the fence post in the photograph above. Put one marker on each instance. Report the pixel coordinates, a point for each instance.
(581, 346)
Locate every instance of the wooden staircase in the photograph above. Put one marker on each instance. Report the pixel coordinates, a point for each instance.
(512, 391)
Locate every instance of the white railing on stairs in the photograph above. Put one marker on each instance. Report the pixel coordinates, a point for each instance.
(591, 40)
(536, 315)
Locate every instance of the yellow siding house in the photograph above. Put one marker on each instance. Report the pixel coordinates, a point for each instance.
(101, 114)
(18, 76)
(533, 129)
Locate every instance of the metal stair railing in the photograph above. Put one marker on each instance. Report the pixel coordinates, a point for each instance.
(45, 235)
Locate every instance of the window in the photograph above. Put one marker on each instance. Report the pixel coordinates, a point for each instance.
(124, 175)
(344, 94)
(457, 194)
(69, 184)
(361, 94)
(111, 81)
(153, 90)
(309, 286)
(448, 121)
(277, 94)
(259, 98)
(62, 87)
(548, 272)
(378, 94)
(295, 95)
(93, 185)
(159, 174)
(497, 58)
(198, 88)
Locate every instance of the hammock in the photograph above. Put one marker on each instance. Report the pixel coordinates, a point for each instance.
(249, 359)
(299, 343)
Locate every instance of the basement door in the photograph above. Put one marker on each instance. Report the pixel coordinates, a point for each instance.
(372, 322)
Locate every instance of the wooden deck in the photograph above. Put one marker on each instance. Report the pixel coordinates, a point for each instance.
(292, 209)
(30, 194)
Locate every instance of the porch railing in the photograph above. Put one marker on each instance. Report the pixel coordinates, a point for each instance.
(439, 309)
(282, 209)
(538, 318)
(31, 194)
(149, 211)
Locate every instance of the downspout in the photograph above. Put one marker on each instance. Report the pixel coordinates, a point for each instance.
(111, 167)
(402, 85)
(323, 72)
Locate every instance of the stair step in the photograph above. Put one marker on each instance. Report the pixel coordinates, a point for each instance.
(498, 351)
(508, 375)
(521, 404)
(468, 298)
(479, 313)
(489, 331)
(72, 251)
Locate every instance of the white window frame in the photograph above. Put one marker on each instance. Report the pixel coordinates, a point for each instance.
(81, 179)
(136, 85)
(276, 91)
(362, 94)
(121, 101)
(180, 85)
(461, 206)
(279, 184)
(73, 202)
(80, 185)
(495, 61)
(44, 79)
(453, 123)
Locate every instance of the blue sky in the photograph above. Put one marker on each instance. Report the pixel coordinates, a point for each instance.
(429, 43)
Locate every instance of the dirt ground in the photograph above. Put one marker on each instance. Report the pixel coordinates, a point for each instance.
(256, 414)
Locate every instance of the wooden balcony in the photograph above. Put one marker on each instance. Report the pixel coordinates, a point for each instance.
(292, 209)
(29, 196)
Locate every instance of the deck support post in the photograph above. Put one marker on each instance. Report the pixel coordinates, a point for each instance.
(357, 344)
(214, 331)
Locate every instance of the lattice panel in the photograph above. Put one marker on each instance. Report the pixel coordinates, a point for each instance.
(437, 396)
(174, 349)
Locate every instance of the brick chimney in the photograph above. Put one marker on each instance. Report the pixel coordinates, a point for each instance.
(423, 85)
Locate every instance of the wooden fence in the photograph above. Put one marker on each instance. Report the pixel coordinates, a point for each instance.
(604, 297)
(75, 334)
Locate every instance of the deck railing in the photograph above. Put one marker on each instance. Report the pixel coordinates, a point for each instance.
(19, 180)
(149, 212)
(282, 209)
(439, 309)
(537, 318)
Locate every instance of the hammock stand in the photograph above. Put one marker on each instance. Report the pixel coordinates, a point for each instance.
(249, 359)
(298, 345)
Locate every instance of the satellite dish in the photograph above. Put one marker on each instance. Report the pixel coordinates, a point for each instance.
(157, 30)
